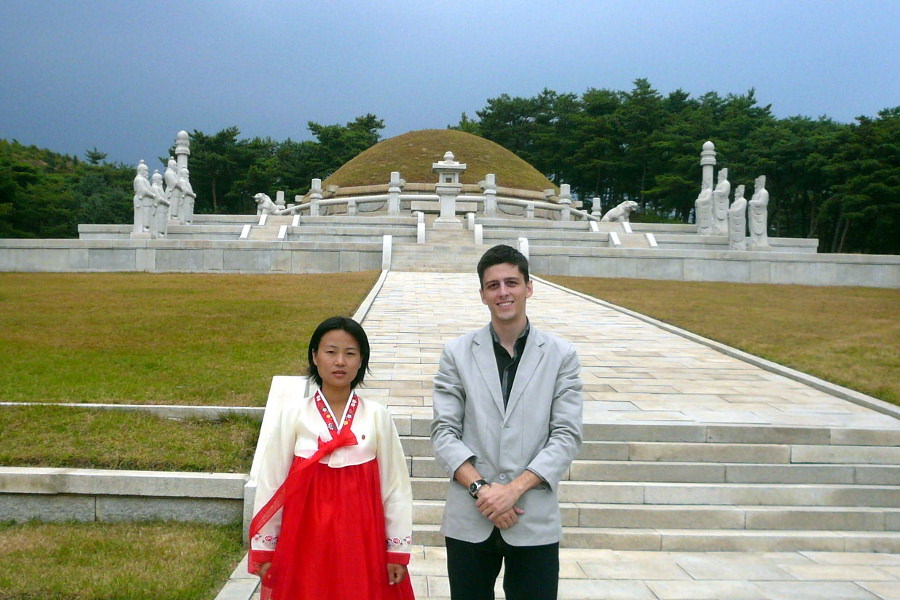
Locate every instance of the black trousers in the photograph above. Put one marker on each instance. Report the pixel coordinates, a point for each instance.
(532, 572)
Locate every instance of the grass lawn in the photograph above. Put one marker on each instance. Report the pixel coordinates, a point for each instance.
(845, 335)
(161, 338)
(116, 561)
(58, 436)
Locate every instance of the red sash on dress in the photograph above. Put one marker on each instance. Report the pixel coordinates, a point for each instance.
(344, 437)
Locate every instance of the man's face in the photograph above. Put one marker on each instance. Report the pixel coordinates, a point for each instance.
(504, 292)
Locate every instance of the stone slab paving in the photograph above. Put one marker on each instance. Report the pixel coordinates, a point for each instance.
(633, 373)
(634, 575)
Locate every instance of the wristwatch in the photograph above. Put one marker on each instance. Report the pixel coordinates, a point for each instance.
(475, 486)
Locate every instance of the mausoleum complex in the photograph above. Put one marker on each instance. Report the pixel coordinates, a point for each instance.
(437, 215)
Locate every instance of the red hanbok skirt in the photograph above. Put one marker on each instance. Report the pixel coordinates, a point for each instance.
(332, 544)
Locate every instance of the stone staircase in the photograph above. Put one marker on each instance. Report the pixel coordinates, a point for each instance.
(269, 231)
(442, 252)
(702, 488)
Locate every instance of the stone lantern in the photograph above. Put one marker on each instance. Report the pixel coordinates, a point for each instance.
(448, 188)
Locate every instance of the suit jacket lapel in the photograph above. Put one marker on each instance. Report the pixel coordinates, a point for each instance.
(483, 349)
(528, 366)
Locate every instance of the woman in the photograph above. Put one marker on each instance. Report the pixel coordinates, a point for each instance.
(333, 509)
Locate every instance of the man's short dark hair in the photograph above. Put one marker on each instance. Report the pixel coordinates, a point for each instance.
(354, 329)
(502, 254)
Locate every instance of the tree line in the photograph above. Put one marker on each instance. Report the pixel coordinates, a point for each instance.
(839, 182)
(835, 181)
(44, 194)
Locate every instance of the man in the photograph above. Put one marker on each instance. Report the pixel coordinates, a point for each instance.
(507, 424)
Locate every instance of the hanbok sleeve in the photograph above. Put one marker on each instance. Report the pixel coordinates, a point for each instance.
(278, 454)
(396, 491)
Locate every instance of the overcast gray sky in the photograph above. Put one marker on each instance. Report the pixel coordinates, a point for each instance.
(126, 76)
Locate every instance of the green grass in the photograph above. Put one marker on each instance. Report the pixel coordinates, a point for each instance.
(161, 338)
(846, 335)
(413, 153)
(116, 561)
(55, 436)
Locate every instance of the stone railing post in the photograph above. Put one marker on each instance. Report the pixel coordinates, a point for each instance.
(565, 200)
(315, 196)
(490, 195)
(395, 185)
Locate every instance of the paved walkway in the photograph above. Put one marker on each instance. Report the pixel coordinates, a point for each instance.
(633, 372)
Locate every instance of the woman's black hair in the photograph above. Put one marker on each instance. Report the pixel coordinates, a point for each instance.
(344, 324)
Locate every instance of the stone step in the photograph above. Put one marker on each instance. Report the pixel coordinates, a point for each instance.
(708, 540)
(437, 257)
(736, 434)
(720, 453)
(725, 494)
(687, 472)
(806, 518)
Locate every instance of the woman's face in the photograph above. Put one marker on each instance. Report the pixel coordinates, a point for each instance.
(337, 359)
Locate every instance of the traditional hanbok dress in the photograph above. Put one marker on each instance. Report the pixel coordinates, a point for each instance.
(333, 504)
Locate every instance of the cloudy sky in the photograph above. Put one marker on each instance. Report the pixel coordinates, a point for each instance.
(127, 76)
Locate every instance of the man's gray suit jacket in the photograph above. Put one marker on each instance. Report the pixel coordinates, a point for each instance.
(540, 430)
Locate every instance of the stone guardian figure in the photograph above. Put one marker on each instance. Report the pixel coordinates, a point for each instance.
(264, 205)
(159, 219)
(720, 203)
(737, 221)
(187, 196)
(758, 215)
(143, 202)
(173, 192)
(703, 212)
(620, 213)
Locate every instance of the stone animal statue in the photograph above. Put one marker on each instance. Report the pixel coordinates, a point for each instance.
(264, 205)
(620, 213)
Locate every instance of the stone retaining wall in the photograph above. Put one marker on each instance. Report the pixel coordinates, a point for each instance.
(53, 494)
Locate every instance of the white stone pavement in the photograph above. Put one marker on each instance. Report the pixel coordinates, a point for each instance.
(633, 372)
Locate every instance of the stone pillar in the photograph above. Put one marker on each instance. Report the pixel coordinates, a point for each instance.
(490, 195)
(394, 188)
(279, 200)
(565, 200)
(182, 150)
(708, 163)
(351, 207)
(529, 210)
(596, 210)
(315, 195)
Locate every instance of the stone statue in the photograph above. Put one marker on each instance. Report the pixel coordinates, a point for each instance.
(187, 196)
(173, 192)
(159, 218)
(737, 221)
(143, 202)
(264, 205)
(720, 203)
(703, 212)
(620, 213)
(758, 215)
